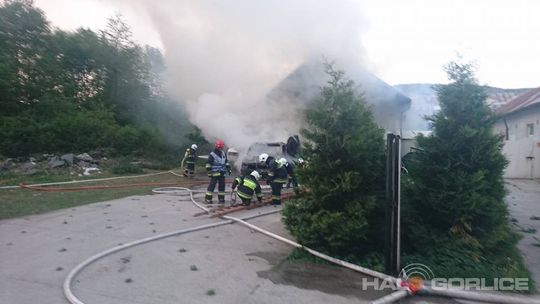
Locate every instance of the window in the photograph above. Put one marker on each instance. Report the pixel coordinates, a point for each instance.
(530, 129)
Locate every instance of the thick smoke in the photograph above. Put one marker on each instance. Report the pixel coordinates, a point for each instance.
(225, 56)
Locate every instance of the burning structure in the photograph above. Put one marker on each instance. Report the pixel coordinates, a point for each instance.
(296, 91)
(303, 86)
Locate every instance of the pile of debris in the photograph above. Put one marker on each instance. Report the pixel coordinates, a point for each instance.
(82, 164)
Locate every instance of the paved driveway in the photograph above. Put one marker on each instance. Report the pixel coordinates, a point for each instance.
(227, 264)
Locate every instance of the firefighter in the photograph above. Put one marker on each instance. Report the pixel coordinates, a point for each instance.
(247, 186)
(217, 166)
(290, 173)
(189, 160)
(277, 176)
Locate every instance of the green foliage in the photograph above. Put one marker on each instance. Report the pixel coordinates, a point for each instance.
(454, 214)
(75, 91)
(125, 167)
(345, 174)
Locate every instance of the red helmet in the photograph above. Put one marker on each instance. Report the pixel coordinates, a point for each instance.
(220, 144)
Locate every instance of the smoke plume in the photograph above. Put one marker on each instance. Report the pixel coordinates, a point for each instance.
(224, 57)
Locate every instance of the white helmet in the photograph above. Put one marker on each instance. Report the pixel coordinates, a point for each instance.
(263, 157)
(255, 174)
(194, 147)
(283, 161)
(300, 160)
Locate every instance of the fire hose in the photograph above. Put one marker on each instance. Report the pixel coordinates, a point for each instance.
(399, 294)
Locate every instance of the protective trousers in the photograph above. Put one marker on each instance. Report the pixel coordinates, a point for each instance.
(212, 186)
(292, 180)
(276, 193)
(190, 169)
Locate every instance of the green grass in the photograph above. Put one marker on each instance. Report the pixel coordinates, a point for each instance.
(21, 202)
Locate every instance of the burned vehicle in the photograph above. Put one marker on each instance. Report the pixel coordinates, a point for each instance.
(289, 150)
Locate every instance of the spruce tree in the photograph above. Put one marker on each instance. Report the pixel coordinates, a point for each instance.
(344, 172)
(454, 211)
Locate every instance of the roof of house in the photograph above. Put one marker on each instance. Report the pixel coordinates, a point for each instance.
(305, 82)
(521, 102)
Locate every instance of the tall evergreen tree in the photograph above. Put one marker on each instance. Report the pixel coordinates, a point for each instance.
(454, 199)
(345, 152)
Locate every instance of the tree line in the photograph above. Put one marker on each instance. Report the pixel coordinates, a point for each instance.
(73, 91)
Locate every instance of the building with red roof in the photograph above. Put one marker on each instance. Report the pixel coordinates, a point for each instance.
(519, 122)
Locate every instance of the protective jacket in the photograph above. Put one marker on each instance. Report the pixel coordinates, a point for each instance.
(190, 156)
(217, 164)
(247, 186)
(277, 172)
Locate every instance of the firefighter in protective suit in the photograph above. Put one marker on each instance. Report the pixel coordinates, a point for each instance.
(217, 166)
(189, 160)
(247, 186)
(277, 176)
(290, 172)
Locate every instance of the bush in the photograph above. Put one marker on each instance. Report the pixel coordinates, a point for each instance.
(60, 126)
(125, 167)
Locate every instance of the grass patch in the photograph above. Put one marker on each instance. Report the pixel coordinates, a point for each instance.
(126, 168)
(21, 202)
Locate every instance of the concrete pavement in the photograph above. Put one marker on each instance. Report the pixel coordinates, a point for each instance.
(524, 206)
(227, 264)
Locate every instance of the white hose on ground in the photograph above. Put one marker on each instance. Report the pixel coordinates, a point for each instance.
(68, 282)
(171, 190)
(391, 298)
(323, 256)
(174, 173)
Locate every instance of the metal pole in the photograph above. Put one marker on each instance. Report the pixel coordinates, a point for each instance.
(393, 169)
(388, 244)
(397, 200)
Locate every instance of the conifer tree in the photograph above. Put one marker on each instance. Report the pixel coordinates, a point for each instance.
(345, 153)
(454, 211)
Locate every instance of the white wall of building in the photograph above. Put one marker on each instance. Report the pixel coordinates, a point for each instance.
(521, 147)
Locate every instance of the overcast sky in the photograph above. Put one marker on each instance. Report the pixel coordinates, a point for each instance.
(406, 41)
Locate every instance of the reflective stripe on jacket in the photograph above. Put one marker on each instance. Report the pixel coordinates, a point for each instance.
(247, 186)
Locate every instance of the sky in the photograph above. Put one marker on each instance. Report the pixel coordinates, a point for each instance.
(404, 41)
